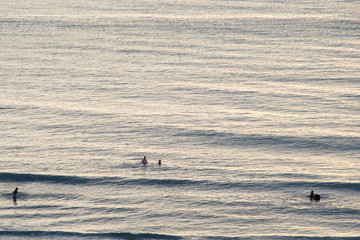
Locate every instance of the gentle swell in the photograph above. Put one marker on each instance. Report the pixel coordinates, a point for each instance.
(327, 144)
(12, 177)
(76, 235)
(150, 236)
(202, 184)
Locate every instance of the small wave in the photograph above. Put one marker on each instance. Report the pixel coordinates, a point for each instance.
(326, 143)
(34, 207)
(27, 177)
(165, 182)
(278, 237)
(151, 236)
(5, 108)
(75, 180)
(77, 235)
(203, 184)
(279, 185)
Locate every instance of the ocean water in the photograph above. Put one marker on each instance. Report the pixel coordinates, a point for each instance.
(250, 105)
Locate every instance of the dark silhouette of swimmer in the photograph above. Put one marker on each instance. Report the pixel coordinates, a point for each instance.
(317, 197)
(14, 193)
(314, 196)
(144, 160)
(159, 162)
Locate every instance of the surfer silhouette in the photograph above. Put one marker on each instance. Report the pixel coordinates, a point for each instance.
(314, 196)
(317, 197)
(159, 163)
(144, 160)
(14, 193)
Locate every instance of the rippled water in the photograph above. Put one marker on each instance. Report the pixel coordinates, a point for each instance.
(250, 105)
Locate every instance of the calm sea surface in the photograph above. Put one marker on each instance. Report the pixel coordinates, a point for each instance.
(250, 105)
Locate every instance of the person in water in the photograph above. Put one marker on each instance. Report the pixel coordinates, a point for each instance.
(144, 160)
(159, 163)
(14, 193)
(312, 194)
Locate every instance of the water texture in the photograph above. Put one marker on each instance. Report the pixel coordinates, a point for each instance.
(250, 105)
